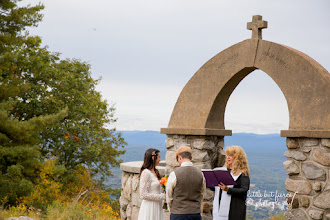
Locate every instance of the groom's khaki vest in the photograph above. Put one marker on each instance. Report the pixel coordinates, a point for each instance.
(187, 192)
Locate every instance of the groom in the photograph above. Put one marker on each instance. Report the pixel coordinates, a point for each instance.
(185, 188)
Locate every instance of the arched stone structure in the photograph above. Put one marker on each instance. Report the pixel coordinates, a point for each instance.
(198, 116)
(305, 84)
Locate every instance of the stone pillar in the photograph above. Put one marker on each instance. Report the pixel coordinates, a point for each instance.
(207, 153)
(308, 167)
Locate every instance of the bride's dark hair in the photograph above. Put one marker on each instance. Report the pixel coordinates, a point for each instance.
(149, 161)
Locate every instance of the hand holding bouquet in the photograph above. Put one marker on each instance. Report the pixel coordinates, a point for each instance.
(163, 183)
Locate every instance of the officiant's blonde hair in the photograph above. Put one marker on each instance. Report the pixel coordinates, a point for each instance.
(240, 164)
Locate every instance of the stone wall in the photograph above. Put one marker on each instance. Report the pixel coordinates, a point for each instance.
(308, 167)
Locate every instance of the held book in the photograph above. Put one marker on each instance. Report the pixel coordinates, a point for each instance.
(217, 175)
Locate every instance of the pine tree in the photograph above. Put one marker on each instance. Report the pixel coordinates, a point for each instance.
(49, 108)
(19, 152)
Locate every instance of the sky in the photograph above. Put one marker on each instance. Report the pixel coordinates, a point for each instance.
(145, 51)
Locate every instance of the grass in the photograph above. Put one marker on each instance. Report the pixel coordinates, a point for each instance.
(60, 211)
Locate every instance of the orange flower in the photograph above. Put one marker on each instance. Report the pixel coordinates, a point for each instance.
(163, 181)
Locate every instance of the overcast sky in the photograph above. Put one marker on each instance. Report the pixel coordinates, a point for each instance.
(147, 50)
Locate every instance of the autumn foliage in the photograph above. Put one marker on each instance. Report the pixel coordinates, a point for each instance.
(80, 197)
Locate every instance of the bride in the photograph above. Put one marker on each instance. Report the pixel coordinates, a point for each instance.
(150, 189)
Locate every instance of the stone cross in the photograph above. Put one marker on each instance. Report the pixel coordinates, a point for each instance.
(256, 25)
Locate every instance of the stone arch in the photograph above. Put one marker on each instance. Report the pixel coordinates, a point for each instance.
(198, 118)
(305, 84)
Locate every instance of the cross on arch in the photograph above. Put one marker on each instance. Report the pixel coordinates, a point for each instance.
(256, 25)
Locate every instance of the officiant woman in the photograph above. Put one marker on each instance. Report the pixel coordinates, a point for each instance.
(229, 201)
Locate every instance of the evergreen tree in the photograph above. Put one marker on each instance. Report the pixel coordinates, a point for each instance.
(19, 151)
(48, 108)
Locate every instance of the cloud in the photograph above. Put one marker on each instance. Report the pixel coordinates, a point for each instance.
(146, 51)
(140, 106)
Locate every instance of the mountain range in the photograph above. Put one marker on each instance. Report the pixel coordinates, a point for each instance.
(249, 141)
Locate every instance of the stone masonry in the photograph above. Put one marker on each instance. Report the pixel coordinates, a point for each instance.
(308, 167)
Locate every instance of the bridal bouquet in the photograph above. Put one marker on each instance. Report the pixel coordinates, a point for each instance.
(163, 183)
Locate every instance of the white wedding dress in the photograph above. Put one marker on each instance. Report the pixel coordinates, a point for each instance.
(152, 197)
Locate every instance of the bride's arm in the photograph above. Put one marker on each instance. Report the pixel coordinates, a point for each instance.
(145, 181)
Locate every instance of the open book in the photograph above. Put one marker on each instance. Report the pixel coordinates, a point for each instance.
(217, 175)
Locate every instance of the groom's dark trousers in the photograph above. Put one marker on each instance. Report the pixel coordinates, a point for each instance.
(185, 217)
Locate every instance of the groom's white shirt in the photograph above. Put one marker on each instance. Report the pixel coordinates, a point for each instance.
(171, 183)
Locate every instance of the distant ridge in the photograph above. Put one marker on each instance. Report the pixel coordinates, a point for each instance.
(144, 138)
(249, 141)
(256, 142)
